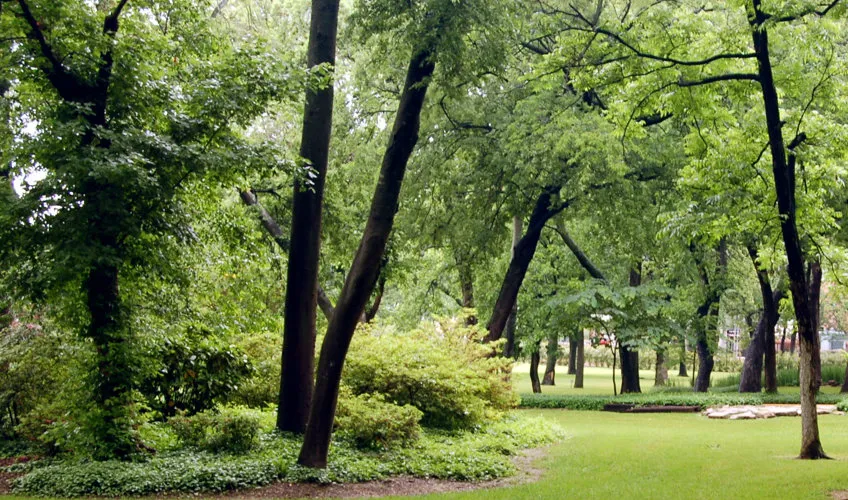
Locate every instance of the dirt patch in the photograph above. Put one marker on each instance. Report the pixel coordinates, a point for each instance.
(6, 481)
(528, 472)
(839, 495)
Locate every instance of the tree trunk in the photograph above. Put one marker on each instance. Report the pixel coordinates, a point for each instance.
(783, 339)
(844, 387)
(630, 356)
(705, 363)
(534, 370)
(708, 314)
(803, 283)
(363, 273)
(509, 347)
(572, 355)
(762, 344)
(296, 375)
(681, 370)
(551, 359)
(660, 369)
(578, 376)
(523, 255)
(466, 282)
(750, 380)
(792, 341)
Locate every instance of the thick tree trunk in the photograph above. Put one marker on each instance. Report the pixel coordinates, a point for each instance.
(113, 379)
(509, 347)
(803, 283)
(551, 352)
(366, 263)
(705, 363)
(630, 356)
(296, 375)
(572, 355)
(750, 379)
(534, 370)
(578, 376)
(520, 262)
(660, 369)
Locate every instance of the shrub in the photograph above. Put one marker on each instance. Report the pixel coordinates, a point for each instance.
(442, 369)
(370, 422)
(231, 430)
(842, 405)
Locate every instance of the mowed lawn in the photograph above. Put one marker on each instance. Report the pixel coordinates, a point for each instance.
(598, 381)
(685, 456)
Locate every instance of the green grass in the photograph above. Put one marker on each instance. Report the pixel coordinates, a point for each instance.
(669, 456)
(598, 381)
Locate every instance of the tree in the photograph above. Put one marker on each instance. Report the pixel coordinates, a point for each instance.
(122, 127)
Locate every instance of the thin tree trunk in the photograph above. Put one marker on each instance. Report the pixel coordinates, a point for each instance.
(524, 252)
(534, 370)
(681, 370)
(572, 355)
(551, 352)
(509, 347)
(366, 263)
(783, 339)
(762, 344)
(660, 369)
(296, 375)
(466, 282)
(792, 342)
(578, 376)
(844, 387)
(708, 314)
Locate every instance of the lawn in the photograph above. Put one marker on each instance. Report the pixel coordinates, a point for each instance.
(598, 381)
(612, 455)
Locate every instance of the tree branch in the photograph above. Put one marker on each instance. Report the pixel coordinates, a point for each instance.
(719, 78)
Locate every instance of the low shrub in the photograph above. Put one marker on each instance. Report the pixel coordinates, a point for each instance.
(441, 368)
(370, 422)
(479, 455)
(230, 430)
(596, 403)
(842, 405)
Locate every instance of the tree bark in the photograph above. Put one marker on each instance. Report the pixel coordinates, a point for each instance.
(681, 370)
(296, 375)
(534, 370)
(578, 376)
(792, 342)
(366, 264)
(803, 283)
(520, 262)
(660, 369)
(761, 351)
(466, 282)
(551, 352)
(708, 314)
(844, 387)
(783, 340)
(572, 355)
(630, 357)
(509, 347)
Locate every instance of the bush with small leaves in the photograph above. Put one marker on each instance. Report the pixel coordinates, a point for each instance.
(371, 422)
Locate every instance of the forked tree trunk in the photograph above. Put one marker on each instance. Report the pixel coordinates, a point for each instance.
(660, 369)
(551, 352)
(520, 262)
(363, 273)
(761, 350)
(578, 376)
(630, 356)
(298, 358)
(534, 370)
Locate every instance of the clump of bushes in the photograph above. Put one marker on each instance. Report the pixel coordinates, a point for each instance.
(596, 403)
(230, 430)
(370, 422)
(440, 368)
(479, 455)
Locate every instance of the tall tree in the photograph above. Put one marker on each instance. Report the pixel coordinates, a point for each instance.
(296, 377)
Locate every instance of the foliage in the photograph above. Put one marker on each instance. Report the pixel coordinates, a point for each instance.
(596, 403)
(474, 455)
(370, 422)
(439, 368)
(230, 430)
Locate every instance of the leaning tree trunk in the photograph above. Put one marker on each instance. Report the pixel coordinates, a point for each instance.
(581, 361)
(551, 352)
(630, 356)
(366, 265)
(660, 369)
(520, 262)
(509, 347)
(803, 283)
(298, 358)
(534, 370)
